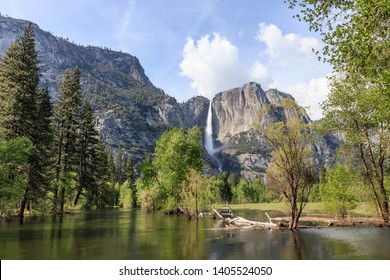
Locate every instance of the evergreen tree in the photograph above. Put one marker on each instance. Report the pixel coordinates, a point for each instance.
(129, 171)
(67, 118)
(40, 160)
(129, 177)
(25, 111)
(88, 141)
(111, 168)
(19, 80)
(119, 174)
(96, 193)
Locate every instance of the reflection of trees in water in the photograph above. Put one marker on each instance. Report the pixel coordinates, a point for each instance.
(309, 245)
(299, 246)
(139, 235)
(173, 238)
(278, 245)
(55, 236)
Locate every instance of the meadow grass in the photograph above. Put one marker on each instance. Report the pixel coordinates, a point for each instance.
(311, 208)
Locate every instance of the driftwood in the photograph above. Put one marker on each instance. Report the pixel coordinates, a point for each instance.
(244, 223)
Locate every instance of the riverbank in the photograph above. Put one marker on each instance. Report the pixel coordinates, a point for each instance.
(314, 214)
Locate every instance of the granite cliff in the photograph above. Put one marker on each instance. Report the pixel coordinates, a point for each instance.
(243, 150)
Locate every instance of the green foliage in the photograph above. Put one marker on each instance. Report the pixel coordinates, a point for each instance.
(148, 195)
(25, 111)
(339, 192)
(356, 36)
(13, 181)
(125, 195)
(176, 153)
(355, 33)
(67, 181)
(361, 111)
(224, 186)
(197, 195)
(67, 116)
(28, 147)
(87, 141)
(250, 192)
(19, 81)
(291, 168)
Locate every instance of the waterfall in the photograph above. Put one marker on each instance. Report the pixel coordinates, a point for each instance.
(209, 133)
(209, 143)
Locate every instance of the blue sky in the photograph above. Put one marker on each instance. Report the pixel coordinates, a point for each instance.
(191, 47)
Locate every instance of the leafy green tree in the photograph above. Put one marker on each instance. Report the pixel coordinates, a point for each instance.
(238, 191)
(362, 114)
(339, 192)
(13, 180)
(225, 188)
(356, 36)
(125, 195)
(176, 153)
(246, 192)
(291, 167)
(355, 33)
(197, 194)
(67, 123)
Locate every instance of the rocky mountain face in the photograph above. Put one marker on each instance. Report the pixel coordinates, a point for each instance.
(243, 150)
(132, 113)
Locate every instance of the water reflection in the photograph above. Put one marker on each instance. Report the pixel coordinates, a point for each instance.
(138, 235)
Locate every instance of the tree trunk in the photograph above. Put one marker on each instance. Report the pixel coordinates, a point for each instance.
(58, 170)
(293, 222)
(22, 206)
(385, 211)
(62, 200)
(79, 189)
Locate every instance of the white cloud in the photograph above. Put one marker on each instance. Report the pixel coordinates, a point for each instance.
(213, 65)
(309, 94)
(287, 50)
(259, 72)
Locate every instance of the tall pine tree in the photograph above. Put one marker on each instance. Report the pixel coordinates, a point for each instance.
(67, 116)
(19, 80)
(88, 140)
(25, 111)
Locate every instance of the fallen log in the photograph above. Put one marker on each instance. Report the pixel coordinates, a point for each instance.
(219, 215)
(241, 222)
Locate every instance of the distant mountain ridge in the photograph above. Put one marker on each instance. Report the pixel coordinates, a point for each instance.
(132, 113)
(58, 54)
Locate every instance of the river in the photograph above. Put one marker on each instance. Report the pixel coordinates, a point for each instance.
(119, 234)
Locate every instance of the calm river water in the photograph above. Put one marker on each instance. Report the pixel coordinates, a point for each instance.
(117, 234)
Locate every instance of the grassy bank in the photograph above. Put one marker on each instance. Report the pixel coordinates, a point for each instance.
(314, 209)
